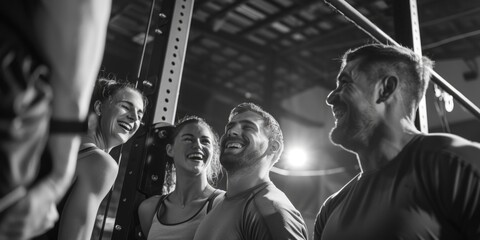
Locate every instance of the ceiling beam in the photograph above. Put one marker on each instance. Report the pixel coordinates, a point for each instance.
(222, 15)
(235, 98)
(322, 75)
(440, 20)
(277, 16)
(231, 40)
(342, 31)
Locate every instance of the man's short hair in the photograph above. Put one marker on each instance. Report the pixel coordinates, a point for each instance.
(275, 133)
(415, 69)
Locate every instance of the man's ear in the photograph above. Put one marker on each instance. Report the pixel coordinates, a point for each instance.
(97, 107)
(169, 149)
(274, 146)
(387, 87)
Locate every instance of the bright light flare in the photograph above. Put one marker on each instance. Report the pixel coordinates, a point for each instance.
(296, 157)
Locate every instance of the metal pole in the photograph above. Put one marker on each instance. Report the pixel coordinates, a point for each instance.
(407, 33)
(171, 75)
(145, 40)
(376, 33)
(171, 25)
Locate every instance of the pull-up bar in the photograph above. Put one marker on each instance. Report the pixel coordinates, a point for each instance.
(378, 35)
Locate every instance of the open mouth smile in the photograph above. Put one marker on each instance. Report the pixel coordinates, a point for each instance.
(233, 145)
(196, 156)
(126, 126)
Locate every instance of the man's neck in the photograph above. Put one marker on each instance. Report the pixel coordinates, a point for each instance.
(386, 143)
(243, 179)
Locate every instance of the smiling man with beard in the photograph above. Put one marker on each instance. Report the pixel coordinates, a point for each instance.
(253, 208)
(412, 185)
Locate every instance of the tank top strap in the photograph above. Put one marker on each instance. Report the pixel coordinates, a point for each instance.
(211, 199)
(159, 204)
(86, 147)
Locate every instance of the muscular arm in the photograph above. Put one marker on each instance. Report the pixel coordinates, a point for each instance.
(70, 35)
(453, 182)
(146, 211)
(450, 177)
(96, 174)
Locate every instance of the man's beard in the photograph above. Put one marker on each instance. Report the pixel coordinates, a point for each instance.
(353, 133)
(236, 162)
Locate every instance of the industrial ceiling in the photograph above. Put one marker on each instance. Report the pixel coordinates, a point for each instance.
(268, 50)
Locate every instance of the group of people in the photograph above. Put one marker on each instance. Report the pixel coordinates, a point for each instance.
(412, 185)
(250, 208)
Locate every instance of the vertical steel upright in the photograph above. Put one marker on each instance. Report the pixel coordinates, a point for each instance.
(161, 70)
(407, 33)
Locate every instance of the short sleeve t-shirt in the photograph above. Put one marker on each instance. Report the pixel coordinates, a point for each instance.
(430, 190)
(262, 212)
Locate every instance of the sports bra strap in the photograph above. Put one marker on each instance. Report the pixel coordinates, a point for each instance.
(87, 149)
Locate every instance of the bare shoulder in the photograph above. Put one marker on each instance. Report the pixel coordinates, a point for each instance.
(146, 211)
(149, 204)
(97, 162)
(96, 171)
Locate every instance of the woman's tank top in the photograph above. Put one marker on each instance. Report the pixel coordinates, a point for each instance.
(182, 230)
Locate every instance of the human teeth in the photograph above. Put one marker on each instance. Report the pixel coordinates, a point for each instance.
(195, 156)
(234, 145)
(125, 126)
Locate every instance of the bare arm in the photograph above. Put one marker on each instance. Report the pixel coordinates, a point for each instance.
(96, 174)
(146, 211)
(72, 35)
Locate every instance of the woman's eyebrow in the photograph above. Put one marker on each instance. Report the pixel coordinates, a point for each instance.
(187, 135)
(131, 104)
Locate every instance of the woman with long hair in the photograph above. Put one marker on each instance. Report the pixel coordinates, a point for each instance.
(194, 166)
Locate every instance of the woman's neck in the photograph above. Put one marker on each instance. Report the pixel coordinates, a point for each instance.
(97, 139)
(188, 189)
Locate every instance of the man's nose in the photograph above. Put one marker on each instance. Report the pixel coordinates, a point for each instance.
(332, 97)
(234, 131)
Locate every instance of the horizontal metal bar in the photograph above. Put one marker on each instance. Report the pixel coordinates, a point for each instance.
(376, 33)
